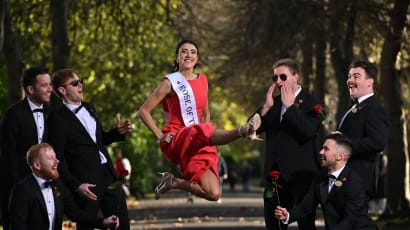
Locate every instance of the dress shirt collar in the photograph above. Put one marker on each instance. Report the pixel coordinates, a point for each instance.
(337, 172)
(40, 181)
(71, 107)
(362, 98)
(33, 106)
(298, 90)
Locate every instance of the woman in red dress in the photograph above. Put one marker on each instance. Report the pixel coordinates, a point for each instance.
(188, 138)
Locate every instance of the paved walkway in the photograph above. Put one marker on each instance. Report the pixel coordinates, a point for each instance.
(238, 210)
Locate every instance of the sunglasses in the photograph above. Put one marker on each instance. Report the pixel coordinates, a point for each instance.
(282, 77)
(75, 82)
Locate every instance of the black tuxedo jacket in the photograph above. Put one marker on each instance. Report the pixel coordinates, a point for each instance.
(345, 207)
(367, 127)
(291, 143)
(78, 153)
(28, 209)
(18, 134)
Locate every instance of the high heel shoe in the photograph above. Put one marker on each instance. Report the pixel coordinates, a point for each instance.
(253, 124)
(165, 185)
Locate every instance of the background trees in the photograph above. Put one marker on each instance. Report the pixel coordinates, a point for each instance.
(123, 48)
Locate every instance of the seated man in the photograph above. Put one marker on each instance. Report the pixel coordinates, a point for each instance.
(339, 191)
(40, 200)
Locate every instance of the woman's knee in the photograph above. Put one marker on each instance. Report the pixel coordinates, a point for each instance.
(214, 195)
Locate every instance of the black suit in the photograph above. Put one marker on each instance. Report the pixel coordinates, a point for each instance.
(367, 127)
(344, 207)
(80, 161)
(28, 208)
(291, 149)
(18, 134)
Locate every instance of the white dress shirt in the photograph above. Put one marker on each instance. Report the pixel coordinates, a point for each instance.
(39, 119)
(48, 199)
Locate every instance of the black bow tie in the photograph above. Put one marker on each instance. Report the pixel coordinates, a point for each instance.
(330, 176)
(38, 110)
(78, 108)
(49, 183)
(355, 101)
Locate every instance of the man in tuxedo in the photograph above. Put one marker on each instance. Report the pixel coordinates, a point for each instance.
(291, 122)
(79, 142)
(339, 190)
(22, 126)
(40, 200)
(365, 123)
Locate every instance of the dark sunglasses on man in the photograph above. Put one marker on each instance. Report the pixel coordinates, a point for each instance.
(282, 77)
(75, 82)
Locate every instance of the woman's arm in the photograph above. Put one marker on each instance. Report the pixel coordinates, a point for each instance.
(144, 112)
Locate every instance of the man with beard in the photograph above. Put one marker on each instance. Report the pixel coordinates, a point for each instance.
(40, 200)
(23, 125)
(290, 121)
(338, 189)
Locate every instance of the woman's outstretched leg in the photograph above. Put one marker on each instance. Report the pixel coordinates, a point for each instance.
(208, 186)
(223, 137)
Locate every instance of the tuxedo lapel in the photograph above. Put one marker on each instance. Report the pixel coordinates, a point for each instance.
(355, 111)
(58, 205)
(37, 192)
(32, 127)
(75, 123)
(323, 189)
(45, 114)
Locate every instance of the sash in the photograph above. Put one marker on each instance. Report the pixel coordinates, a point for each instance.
(186, 98)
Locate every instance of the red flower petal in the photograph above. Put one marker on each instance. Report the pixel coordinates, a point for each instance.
(274, 175)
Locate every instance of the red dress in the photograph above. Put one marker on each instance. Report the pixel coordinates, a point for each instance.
(190, 148)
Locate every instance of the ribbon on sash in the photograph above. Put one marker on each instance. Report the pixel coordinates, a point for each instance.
(186, 98)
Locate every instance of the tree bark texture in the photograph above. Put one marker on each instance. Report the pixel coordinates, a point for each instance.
(397, 200)
(14, 62)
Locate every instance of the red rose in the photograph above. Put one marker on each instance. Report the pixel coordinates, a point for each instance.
(124, 173)
(274, 175)
(317, 108)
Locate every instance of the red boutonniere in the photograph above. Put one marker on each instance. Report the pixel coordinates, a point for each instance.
(356, 109)
(300, 101)
(339, 183)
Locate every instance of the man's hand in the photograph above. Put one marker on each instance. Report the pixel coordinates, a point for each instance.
(111, 222)
(287, 95)
(269, 100)
(123, 127)
(281, 213)
(84, 190)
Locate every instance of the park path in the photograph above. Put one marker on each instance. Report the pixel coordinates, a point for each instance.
(238, 210)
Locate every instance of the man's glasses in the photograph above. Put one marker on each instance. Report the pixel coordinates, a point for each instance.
(282, 77)
(75, 82)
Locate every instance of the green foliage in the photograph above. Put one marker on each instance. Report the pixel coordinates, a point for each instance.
(121, 49)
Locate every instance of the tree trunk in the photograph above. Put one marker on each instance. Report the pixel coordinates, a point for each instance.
(319, 82)
(397, 202)
(12, 56)
(307, 64)
(2, 15)
(60, 46)
(341, 49)
(61, 49)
